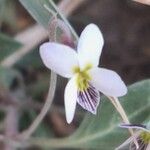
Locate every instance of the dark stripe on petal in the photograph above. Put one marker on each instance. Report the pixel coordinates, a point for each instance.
(134, 126)
(83, 100)
(89, 99)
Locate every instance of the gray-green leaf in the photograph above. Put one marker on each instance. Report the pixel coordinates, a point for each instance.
(38, 11)
(7, 46)
(102, 131)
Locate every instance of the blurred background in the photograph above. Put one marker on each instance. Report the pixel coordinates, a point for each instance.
(125, 25)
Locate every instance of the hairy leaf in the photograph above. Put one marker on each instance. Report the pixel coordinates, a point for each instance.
(102, 131)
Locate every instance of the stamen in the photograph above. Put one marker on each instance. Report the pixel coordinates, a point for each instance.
(76, 69)
(83, 77)
(88, 67)
(145, 136)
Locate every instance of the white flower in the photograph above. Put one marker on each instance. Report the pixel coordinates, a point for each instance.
(87, 79)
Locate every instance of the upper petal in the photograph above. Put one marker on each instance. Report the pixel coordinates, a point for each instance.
(108, 82)
(90, 46)
(70, 99)
(59, 58)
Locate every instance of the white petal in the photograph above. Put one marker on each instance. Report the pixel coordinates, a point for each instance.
(89, 99)
(70, 99)
(90, 46)
(108, 82)
(59, 58)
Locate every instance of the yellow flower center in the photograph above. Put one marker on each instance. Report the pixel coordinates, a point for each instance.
(83, 77)
(145, 136)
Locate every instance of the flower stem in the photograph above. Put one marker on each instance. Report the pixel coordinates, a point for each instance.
(122, 113)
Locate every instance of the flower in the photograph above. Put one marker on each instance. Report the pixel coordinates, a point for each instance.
(142, 135)
(87, 79)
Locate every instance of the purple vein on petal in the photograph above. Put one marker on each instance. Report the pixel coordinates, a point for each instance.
(136, 126)
(89, 99)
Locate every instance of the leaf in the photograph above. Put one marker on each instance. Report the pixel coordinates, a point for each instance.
(37, 10)
(30, 60)
(7, 76)
(102, 131)
(8, 13)
(7, 46)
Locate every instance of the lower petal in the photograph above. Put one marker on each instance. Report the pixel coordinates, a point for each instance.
(108, 82)
(89, 99)
(70, 99)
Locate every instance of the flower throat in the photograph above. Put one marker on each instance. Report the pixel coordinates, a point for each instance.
(83, 77)
(145, 136)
